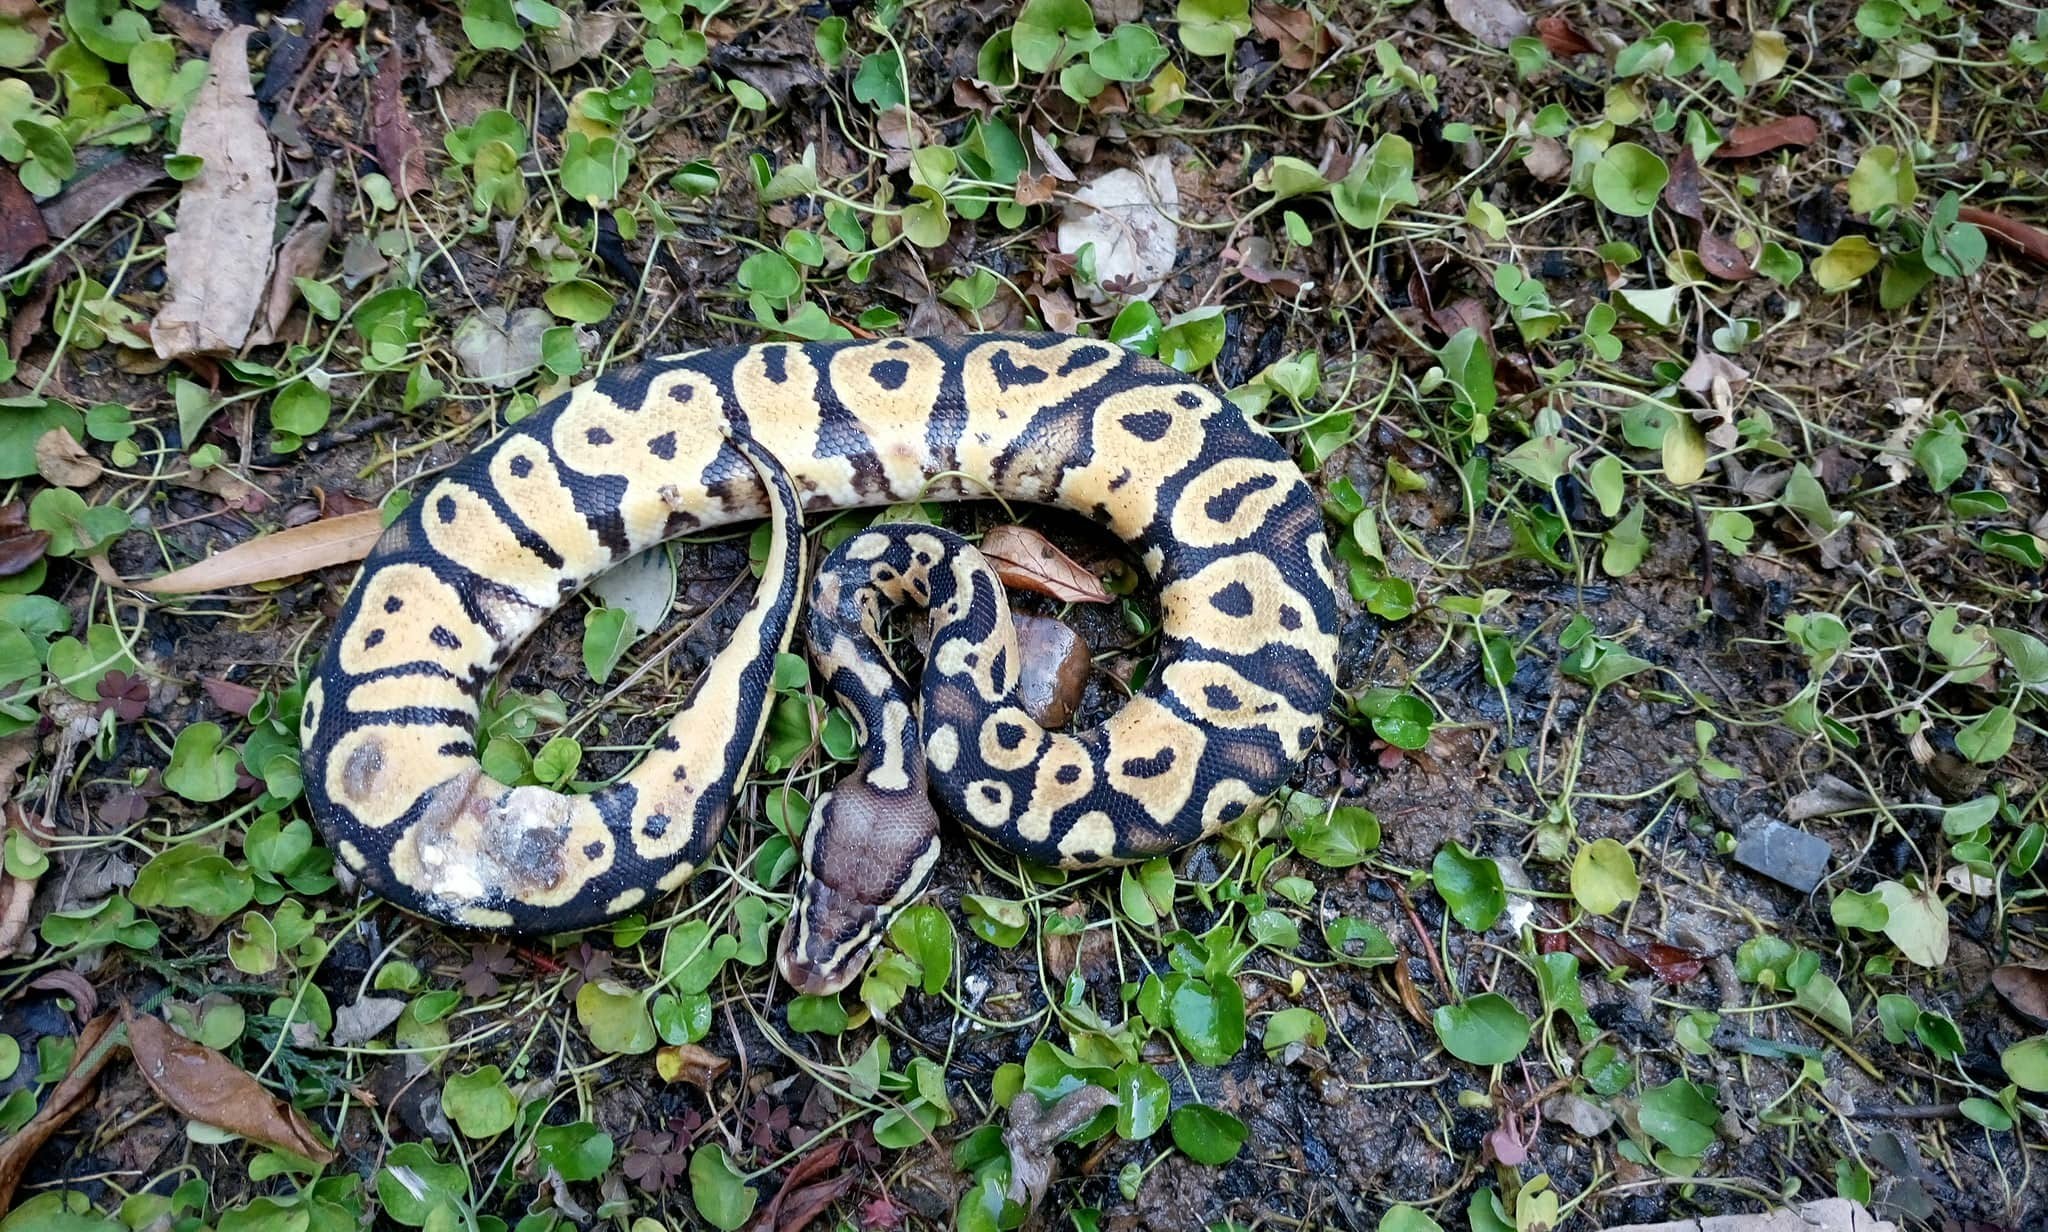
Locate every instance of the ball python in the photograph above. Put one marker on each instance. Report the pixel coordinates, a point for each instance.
(1213, 507)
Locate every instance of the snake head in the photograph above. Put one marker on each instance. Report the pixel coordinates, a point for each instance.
(867, 855)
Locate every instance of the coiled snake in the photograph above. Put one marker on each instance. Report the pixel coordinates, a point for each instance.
(1214, 508)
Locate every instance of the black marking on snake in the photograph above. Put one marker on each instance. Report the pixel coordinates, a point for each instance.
(890, 374)
(656, 825)
(1010, 374)
(393, 604)
(1009, 735)
(1220, 697)
(446, 640)
(1067, 774)
(663, 446)
(598, 436)
(1083, 357)
(1290, 619)
(1233, 600)
(775, 365)
(1223, 506)
(521, 467)
(1148, 425)
(458, 748)
(445, 508)
(1187, 400)
(374, 640)
(1149, 767)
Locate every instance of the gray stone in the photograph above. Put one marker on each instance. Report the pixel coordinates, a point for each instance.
(1828, 1215)
(1785, 854)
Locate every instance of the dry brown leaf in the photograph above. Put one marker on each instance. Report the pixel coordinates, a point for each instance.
(1682, 190)
(1748, 142)
(203, 1085)
(71, 1097)
(234, 491)
(72, 985)
(974, 94)
(2024, 987)
(1055, 165)
(62, 461)
(2025, 237)
(699, 1067)
(578, 36)
(1054, 668)
(1722, 258)
(216, 260)
(283, 554)
(99, 190)
(298, 256)
(1025, 559)
(400, 152)
(21, 227)
(20, 547)
(236, 699)
(1495, 23)
(1035, 1128)
(1303, 39)
(1561, 40)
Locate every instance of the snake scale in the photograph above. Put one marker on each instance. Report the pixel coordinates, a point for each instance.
(1213, 507)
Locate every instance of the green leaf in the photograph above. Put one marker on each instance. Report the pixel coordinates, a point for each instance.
(201, 769)
(300, 408)
(925, 934)
(1486, 1030)
(1208, 1018)
(1940, 452)
(2026, 1063)
(1208, 1135)
(1604, 876)
(1131, 53)
(1344, 836)
(1844, 263)
(1405, 1218)
(821, 1015)
(1628, 179)
(1883, 176)
(1381, 181)
(1001, 922)
(579, 300)
(75, 528)
(1048, 32)
(607, 633)
(1681, 1114)
(23, 421)
(194, 877)
(108, 28)
(414, 1183)
(479, 1102)
(1471, 885)
(879, 83)
(580, 1152)
(491, 25)
(1988, 737)
(1373, 946)
(615, 1017)
(1142, 1098)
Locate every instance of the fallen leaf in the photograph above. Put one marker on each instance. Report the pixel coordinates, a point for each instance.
(774, 73)
(216, 259)
(97, 191)
(2024, 237)
(978, 96)
(1722, 258)
(202, 1085)
(282, 554)
(1027, 560)
(1254, 259)
(234, 491)
(21, 227)
(1036, 1128)
(73, 985)
(1750, 141)
(1682, 190)
(579, 36)
(1304, 40)
(1055, 670)
(1055, 166)
(17, 894)
(62, 461)
(1056, 309)
(299, 256)
(400, 152)
(803, 1197)
(688, 1063)
(71, 1096)
(1547, 159)
(501, 348)
(1495, 23)
(236, 699)
(1561, 40)
(20, 547)
(1667, 962)
(2024, 987)
(1129, 218)
(364, 1019)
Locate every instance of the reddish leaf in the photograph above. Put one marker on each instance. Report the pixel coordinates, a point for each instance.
(1025, 559)
(21, 227)
(2024, 237)
(1302, 38)
(1055, 668)
(72, 985)
(1682, 190)
(399, 150)
(203, 1085)
(2024, 987)
(71, 1096)
(20, 547)
(1666, 962)
(803, 1197)
(1797, 130)
(1722, 258)
(1561, 40)
(236, 699)
(99, 191)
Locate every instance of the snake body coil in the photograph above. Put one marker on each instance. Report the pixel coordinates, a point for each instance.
(1214, 507)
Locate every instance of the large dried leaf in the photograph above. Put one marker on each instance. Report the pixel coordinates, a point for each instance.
(298, 256)
(1495, 23)
(2024, 987)
(70, 1097)
(1796, 130)
(400, 152)
(2025, 237)
(287, 553)
(1025, 559)
(20, 546)
(203, 1085)
(217, 260)
(21, 228)
(103, 188)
